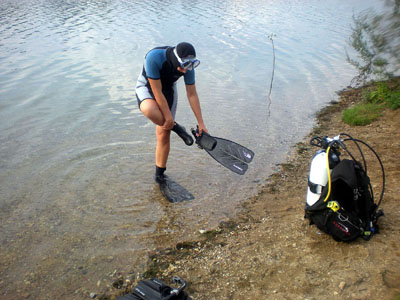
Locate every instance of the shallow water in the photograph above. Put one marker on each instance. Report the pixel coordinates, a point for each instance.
(77, 157)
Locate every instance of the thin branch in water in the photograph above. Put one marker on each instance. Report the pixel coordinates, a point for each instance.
(273, 72)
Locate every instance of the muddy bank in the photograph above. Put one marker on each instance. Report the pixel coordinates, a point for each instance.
(269, 251)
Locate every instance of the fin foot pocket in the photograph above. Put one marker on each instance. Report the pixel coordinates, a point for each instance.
(206, 141)
(182, 133)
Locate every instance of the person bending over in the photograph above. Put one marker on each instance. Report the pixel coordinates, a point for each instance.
(157, 96)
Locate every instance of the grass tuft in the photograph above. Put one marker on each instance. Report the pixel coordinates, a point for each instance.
(376, 98)
(361, 114)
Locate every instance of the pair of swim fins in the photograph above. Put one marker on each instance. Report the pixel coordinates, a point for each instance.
(231, 155)
(155, 289)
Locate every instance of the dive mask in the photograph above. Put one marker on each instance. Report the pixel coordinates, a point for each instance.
(187, 63)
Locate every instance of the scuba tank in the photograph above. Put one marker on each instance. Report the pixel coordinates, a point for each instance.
(340, 198)
(318, 175)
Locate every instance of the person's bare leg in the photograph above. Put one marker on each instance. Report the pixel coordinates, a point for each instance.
(151, 110)
(162, 147)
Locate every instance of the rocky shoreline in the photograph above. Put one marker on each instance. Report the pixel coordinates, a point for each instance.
(269, 251)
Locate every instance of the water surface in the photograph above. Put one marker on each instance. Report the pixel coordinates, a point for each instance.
(77, 157)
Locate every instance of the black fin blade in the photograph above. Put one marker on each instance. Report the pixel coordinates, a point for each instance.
(231, 162)
(232, 155)
(234, 149)
(174, 192)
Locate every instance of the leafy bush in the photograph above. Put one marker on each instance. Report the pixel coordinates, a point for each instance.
(375, 38)
(382, 94)
(377, 95)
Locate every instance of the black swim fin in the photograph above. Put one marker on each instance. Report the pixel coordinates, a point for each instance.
(172, 190)
(231, 155)
(155, 289)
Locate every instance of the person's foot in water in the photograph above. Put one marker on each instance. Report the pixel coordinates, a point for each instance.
(159, 176)
(181, 131)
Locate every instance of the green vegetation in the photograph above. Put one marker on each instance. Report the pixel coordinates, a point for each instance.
(375, 40)
(382, 94)
(361, 114)
(375, 99)
(393, 101)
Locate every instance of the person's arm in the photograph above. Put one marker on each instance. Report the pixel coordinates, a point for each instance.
(195, 105)
(162, 103)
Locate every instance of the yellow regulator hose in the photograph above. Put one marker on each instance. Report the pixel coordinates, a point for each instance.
(329, 174)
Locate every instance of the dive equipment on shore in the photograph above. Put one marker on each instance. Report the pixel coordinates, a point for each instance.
(318, 176)
(155, 289)
(340, 198)
(231, 155)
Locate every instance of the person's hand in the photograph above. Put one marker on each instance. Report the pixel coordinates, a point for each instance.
(168, 123)
(202, 128)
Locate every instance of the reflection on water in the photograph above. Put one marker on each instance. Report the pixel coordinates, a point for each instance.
(76, 156)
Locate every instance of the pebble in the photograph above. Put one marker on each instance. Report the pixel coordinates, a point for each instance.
(342, 285)
(93, 295)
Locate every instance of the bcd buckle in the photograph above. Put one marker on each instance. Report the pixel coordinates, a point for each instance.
(334, 205)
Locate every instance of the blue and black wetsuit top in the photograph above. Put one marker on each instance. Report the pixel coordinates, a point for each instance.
(161, 63)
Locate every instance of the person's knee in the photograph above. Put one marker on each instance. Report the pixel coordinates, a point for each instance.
(147, 106)
(163, 136)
